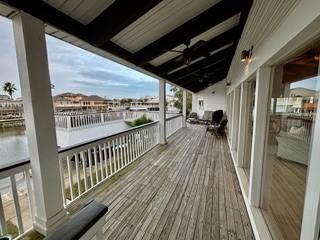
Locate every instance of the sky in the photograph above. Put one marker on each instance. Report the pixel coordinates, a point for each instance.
(75, 70)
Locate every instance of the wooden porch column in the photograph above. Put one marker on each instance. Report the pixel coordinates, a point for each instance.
(39, 118)
(235, 118)
(243, 123)
(260, 125)
(184, 107)
(162, 112)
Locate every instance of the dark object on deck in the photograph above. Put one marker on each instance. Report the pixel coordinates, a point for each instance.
(218, 130)
(79, 224)
(193, 117)
(217, 117)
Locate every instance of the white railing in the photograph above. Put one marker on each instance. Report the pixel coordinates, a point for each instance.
(16, 199)
(85, 166)
(173, 124)
(82, 168)
(78, 120)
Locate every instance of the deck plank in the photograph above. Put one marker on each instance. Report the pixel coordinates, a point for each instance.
(187, 189)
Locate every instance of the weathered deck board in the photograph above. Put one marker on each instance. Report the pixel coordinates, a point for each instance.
(187, 189)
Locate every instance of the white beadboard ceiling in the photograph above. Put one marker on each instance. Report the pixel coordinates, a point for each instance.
(209, 34)
(264, 18)
(166, 16)
(5, 10)
(83, 11)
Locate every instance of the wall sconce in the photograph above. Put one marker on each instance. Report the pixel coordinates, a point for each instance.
(246, 54)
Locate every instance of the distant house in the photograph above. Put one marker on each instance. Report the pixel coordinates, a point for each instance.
(149, 103)
(77, 101)
(10, 107)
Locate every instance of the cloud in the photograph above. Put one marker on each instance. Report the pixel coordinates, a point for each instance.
(100, 83)
(73, 69)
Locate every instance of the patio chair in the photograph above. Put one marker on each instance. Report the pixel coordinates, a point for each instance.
(193, 117)
(218, 130)
(207, 117)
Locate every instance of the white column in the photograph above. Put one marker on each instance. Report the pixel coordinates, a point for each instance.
(37, 102)
(260, 125)
(184, 107)
(235, 118)
(194, 103)
(162, 112)
(243, 123)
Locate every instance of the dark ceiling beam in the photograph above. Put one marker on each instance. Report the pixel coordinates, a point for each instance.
(117, 17)
(199, 24)
(55, 18)
(50, 15)
(221, 40)
(205, 63)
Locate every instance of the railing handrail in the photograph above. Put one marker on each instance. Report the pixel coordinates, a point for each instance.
(26, 161)
(94, 141)
(176, 116)
(14, 165)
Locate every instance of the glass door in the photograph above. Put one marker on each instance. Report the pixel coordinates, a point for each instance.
(293, 107)
(249, 127)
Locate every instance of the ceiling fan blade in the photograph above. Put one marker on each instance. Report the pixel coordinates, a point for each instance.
(178, 59)
(198, 45)
(171, 50)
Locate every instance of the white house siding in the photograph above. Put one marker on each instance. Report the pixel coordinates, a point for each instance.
(265, 17)
(212, 101)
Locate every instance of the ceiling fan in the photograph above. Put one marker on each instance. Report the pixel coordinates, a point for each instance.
(203, 76)
(190, 53)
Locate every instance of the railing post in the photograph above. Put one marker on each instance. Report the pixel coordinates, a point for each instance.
(162, 112)
(184, 108)
(33, 68)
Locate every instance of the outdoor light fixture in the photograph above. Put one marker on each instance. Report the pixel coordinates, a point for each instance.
(246, 54)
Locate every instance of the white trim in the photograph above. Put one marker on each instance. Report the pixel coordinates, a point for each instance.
(311, 212)
(243, 123)
(263, 80)
(235, 119)
(258, 224)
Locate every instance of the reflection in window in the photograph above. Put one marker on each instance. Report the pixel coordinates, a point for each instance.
(293, 106)
(201, 104)
(249, 128)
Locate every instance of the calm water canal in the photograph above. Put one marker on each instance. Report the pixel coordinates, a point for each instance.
(13, 141)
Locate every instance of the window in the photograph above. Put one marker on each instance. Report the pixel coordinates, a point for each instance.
(201, 104)
(293, 107)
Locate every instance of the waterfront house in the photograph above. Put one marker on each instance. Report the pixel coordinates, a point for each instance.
(167, 179)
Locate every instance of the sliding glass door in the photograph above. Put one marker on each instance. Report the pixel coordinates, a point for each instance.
(293, 107)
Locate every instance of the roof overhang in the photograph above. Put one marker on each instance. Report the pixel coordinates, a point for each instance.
(138, 33)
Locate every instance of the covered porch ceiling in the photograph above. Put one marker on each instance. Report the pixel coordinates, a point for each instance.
(139, 33)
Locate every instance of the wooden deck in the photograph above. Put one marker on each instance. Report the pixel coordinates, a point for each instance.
(187, 189)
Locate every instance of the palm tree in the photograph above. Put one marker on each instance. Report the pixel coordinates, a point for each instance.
(9, 88)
